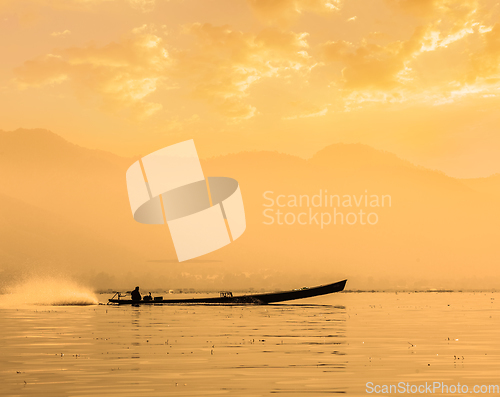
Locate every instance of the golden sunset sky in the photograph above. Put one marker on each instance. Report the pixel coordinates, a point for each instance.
(419, 78)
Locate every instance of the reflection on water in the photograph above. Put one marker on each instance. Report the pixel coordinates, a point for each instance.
(296, 349)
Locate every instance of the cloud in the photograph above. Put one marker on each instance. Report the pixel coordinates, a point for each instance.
(143, 5)
(477, 89)
(121, 74)
(453, 55)
(285, 11)
(359, 99)
(311, 112)
(475, 72)
(486, 62)
(59, 34)
(372, 65)
(457, 10)
(218, 67)
(223, 64)
(447, 20)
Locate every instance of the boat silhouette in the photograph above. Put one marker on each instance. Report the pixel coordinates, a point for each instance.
(227, 298)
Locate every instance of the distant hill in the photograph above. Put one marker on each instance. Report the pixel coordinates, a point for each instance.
(82, 185)
(488, 186)
(358, 155)
(64, 206)
(35, 236)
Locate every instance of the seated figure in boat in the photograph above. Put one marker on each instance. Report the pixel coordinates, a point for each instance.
(136, 295)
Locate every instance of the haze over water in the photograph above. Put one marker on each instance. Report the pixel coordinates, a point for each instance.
(324, 345)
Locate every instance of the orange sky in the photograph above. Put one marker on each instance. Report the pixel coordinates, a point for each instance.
(420, 78)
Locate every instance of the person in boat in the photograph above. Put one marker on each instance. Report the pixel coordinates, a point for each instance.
(136, 295)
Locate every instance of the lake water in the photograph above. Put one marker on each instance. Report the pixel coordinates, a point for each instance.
(326, 345)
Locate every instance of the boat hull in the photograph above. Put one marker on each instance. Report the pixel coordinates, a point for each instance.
(254, 299)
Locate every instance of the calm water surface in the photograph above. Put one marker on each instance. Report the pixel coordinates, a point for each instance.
(327, 345)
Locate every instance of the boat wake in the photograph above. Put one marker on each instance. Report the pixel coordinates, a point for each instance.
(48, 292)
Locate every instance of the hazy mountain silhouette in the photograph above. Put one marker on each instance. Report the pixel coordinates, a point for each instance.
(84, 186)
(72, 209)
(489, 186)
(35, 238)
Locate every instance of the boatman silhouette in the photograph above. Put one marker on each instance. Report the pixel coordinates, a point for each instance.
(136, 295)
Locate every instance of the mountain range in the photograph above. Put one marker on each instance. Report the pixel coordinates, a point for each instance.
(64, 210)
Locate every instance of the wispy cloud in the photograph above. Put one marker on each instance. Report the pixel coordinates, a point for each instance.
(59, 34)
(372, 65)
(485, 64)
(309, 114)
